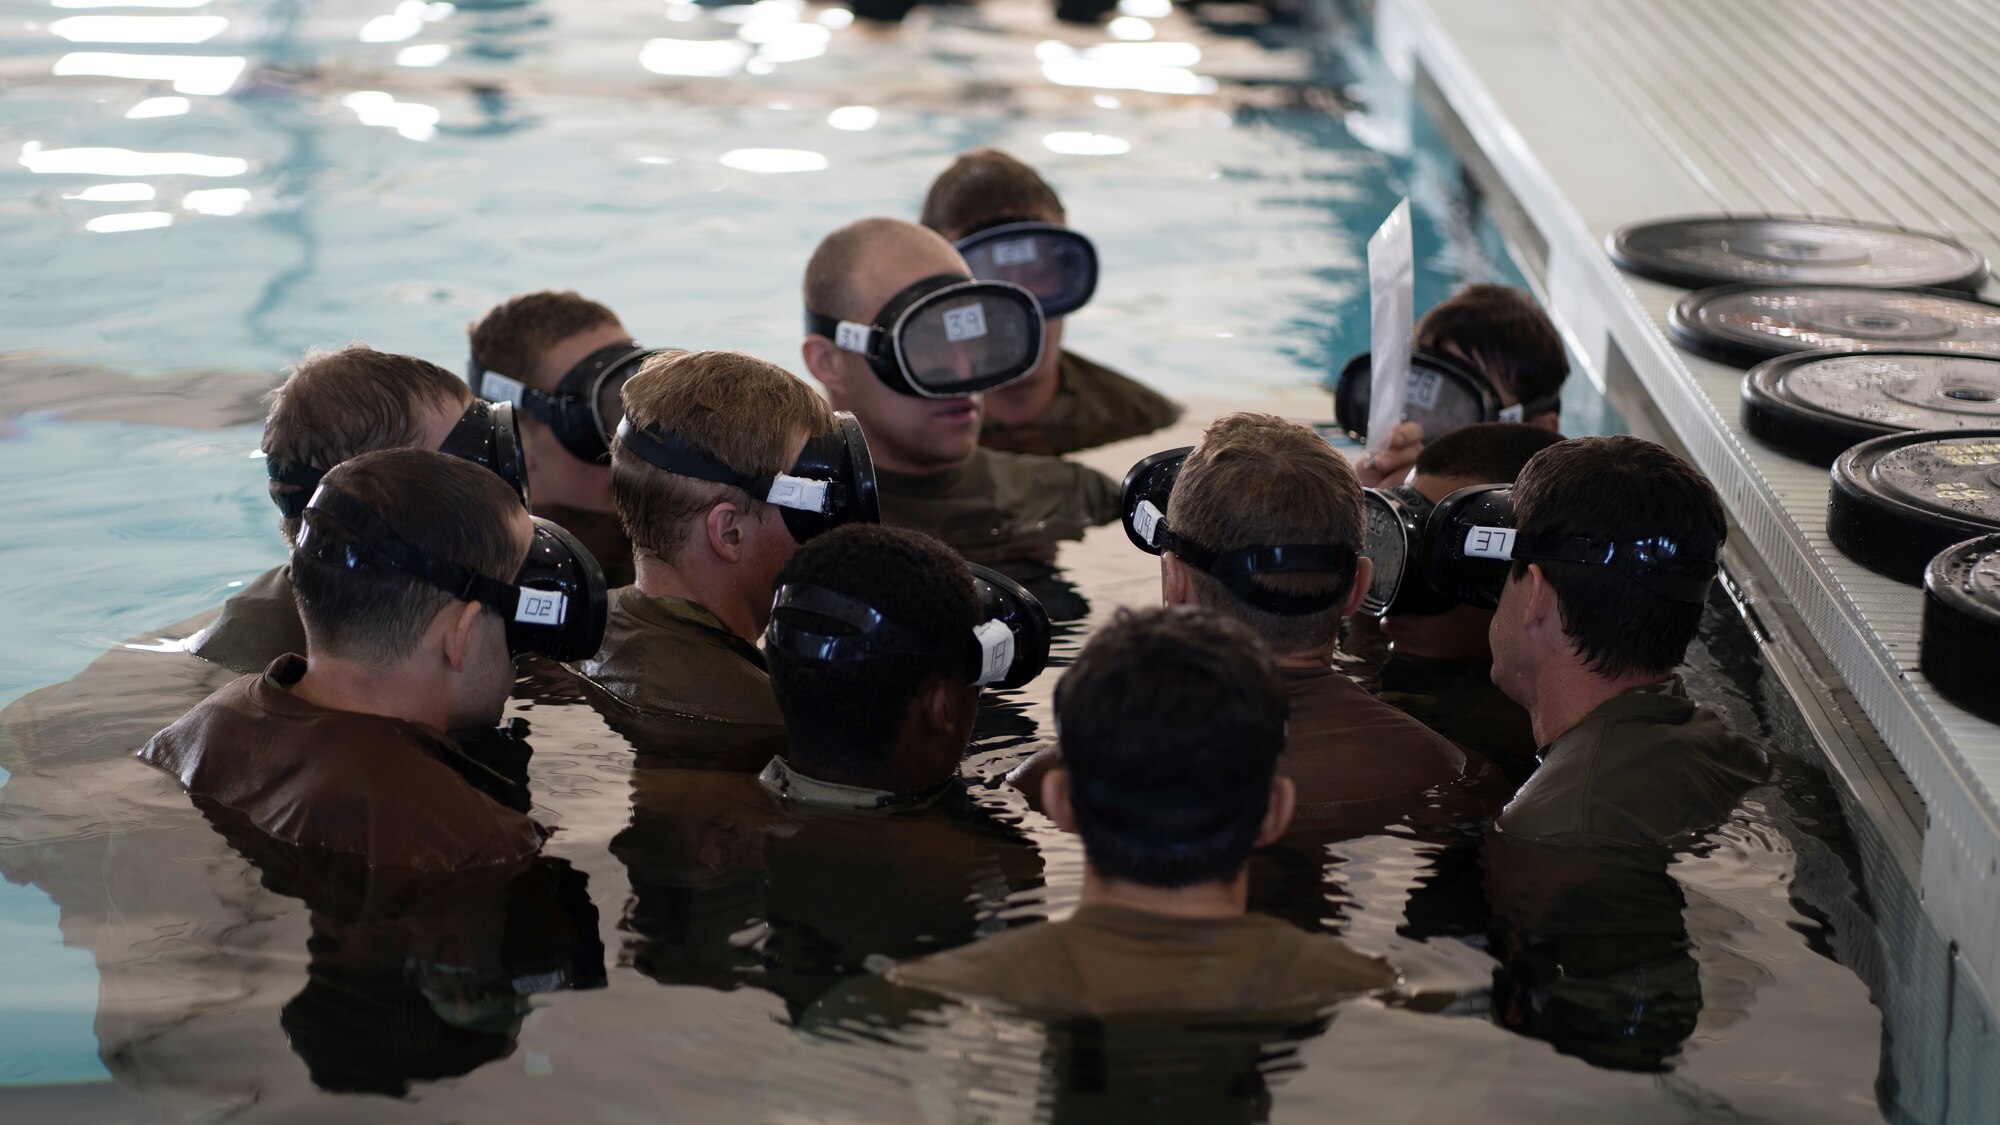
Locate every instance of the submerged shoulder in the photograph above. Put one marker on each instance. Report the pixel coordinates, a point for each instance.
(1024, 966)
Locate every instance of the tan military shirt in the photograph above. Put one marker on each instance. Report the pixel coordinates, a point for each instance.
(671, 656)
(258, 624)
(1094, 406)
(1457, 699)
(997, 507)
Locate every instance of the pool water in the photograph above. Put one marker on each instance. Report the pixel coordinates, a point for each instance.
(291, 175)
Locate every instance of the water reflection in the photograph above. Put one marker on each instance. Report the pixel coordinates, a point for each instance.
(1086, 144)
(408, 119)
(854, 118)
(113, 193)
(190, 74)
(138, 29)
(129, 221)
(220, 202)
(159, 107)
(773, 160)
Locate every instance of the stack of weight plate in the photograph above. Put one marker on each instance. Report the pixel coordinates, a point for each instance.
(1962, 625)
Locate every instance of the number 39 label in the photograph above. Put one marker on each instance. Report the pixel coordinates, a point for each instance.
(967, 322)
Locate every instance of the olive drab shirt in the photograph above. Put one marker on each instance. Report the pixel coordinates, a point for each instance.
(1113, 960)
(1000, 507)
(258, 624)
(670, 657)
(1457, 699)
(1094, 406)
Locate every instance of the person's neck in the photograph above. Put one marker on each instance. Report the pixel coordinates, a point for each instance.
(658, 579)
(1202, 900)
(404, 691)
(890, 461)
(899, 771)
(1564, 696)
(1311, 661)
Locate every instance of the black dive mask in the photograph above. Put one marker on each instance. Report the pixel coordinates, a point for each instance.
(1009, 647)
(1443, 394)
(555, 606)
(485, 435)
(1396, 519)
(1470, 546)
(1143, 500)
(945, 337)
(832, 483)
(587, 404)
(1055, 263)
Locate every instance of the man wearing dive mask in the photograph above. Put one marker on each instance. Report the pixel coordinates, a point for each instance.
(562, 359)
(1009, 225)
(899, 333)
(347, 748)
(723, 465)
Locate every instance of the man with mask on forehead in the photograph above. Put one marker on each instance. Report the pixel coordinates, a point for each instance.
(898, 332)
(417, 575)
(723, 465)
(561, 359)
(1009, 225)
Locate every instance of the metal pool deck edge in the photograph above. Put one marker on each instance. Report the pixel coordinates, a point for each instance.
(1579, 156)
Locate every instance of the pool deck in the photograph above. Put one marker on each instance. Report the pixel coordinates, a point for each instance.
(1592, 114)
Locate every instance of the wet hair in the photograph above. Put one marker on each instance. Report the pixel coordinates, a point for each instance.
(1257, 480)
(737, 409)
(1171, 723)
(337, 404)
(448, 508)
(1486, 452)
(1620, 488)
(850, 712)
(986, 186)
(510, 339)
(1502, 332)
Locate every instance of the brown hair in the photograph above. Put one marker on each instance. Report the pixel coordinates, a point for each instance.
(984, 185)
(336, 405)
(450, 509)
(1260, 481)
(735, 408)
(510, 339)
(1502, 332)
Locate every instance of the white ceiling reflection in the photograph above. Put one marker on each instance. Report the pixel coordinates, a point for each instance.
(406, 22)
(423, 54)
(1155, 68)
(190, 74)
(773, 160)
(129, 220)
(113, 193)
(125, 162)
(160, 107)
(414, 120)
(138, 29)
(836, 18)
(1130, 28)
(854, 118)
(217, 201)
(128, 3)
(1147, 9)
(1086, 144)
(696, 58)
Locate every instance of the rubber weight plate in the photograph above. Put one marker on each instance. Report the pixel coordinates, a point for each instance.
(1783, 250)
(1961, 638)
(1899, 500)
(1817, 404)
(1747, 324)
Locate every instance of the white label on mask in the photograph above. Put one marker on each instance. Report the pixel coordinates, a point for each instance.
(801, 493)
(1490, 543)
(1511, 413)
(500, 388)
(851, 337)
(1014, 252)
(1146, 521)
(996, 651)
(541, 607)
(967, 322)
(1423, 392)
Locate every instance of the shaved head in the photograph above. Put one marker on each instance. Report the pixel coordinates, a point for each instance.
(857, 268)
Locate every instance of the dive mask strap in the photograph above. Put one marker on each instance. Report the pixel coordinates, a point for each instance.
(872, 634)
(669, 452)
(302, 477)
(371, 544)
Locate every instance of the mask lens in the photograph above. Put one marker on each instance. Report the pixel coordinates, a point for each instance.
(1058, 266)
(486, 435)
(970, 340)
(1390, 540)
(608, 401)
(1143, 499)
(563, 602)
(1442, 395)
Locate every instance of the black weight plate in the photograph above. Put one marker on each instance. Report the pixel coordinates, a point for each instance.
(1899, 500)
(1816, 404)
(1788, 250)
(1962, 624)
(1749, 324)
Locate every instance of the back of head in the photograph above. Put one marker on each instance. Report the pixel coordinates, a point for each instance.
(1256, 480)
(1171, 723)
(985, 186)
(511, 338)
(447, 508)
(733, 408)
(338, 404)
(834, 283)
(849, 712)
(1504, 333)
(1484, 453)
(1621, 489)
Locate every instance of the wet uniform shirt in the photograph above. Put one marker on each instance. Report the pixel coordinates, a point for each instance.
(1345, 746)
(384, 789)
(671, 656)
(1644, 768)
(996, 507)
(1094, 406)
(601, 534)
(258, 624)
(1457, 699)
(1113, 960)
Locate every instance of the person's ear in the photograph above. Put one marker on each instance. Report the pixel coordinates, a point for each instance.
(461, 632)
(823, 361)
(1364, 577)
(1175, 587)
(1055, 799)
(1549, 420)
(1278, 817)
(1540, 612)
(941, 706)
(727, 531)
